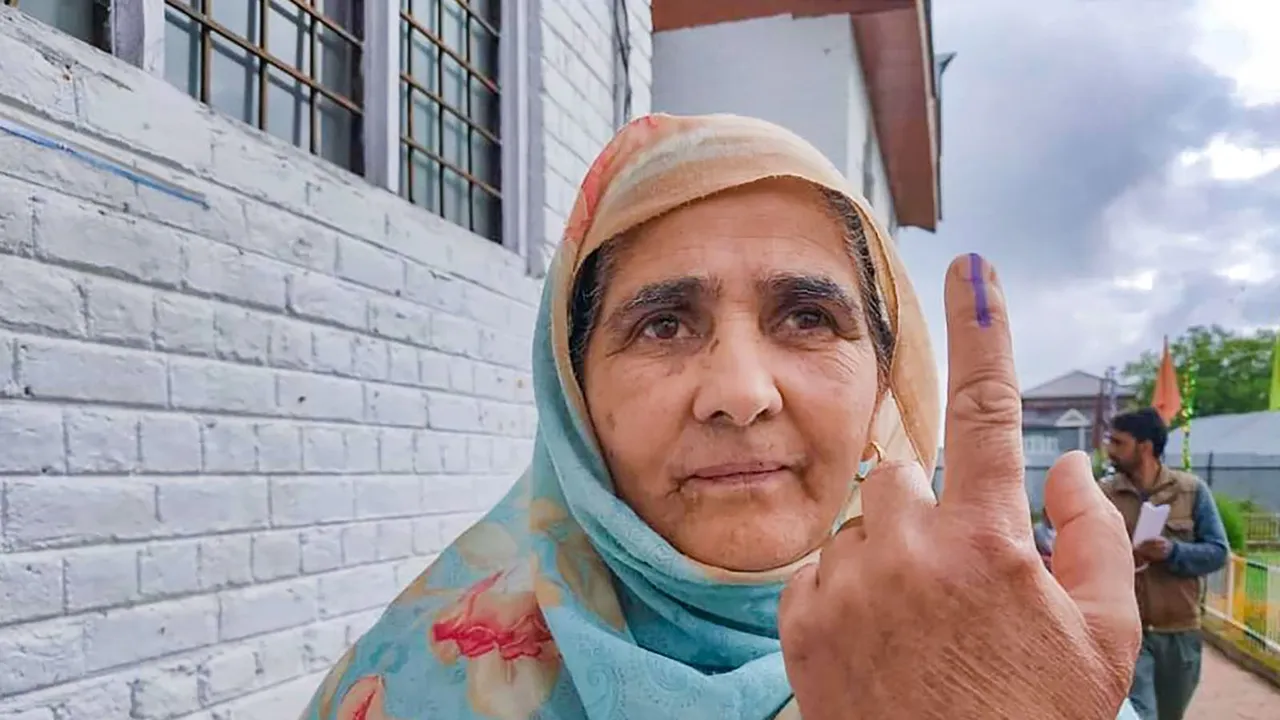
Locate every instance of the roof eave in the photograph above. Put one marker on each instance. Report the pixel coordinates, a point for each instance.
(894, 40)
(898, 61)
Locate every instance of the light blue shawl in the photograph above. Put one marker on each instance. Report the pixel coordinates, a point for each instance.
(561, 604)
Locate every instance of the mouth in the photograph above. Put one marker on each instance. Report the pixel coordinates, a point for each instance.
(736, 475)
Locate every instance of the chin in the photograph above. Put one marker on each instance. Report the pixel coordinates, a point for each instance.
(753, 543)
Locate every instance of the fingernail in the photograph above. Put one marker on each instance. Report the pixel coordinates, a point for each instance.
(977, 277)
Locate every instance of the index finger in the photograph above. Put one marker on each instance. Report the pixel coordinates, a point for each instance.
(983, 443)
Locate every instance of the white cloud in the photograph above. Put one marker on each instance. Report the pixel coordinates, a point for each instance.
(1144, 280)
(1240, 39)
(1223, 159)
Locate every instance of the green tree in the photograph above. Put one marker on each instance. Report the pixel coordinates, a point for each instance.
(1233, 370)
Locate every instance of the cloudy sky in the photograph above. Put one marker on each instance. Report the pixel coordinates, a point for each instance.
(1118, 161)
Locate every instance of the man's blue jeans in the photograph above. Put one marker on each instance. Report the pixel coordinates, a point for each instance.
(1167, 674)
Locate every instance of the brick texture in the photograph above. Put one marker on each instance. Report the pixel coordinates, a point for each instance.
(232, 428)
(578, 94)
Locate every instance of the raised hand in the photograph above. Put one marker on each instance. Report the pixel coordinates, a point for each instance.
(944, 610)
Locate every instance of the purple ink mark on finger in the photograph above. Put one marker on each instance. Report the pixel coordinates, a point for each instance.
(979, 290)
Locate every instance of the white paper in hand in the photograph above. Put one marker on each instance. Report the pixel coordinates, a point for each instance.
(1150, 525)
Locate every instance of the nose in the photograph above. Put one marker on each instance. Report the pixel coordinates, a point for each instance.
(737, 387)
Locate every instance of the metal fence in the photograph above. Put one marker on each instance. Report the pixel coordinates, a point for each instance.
(1240, 476)
(1262, 531)
(1245, 594)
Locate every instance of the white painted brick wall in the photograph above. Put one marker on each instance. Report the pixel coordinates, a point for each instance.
(230, 433)
(578, 88)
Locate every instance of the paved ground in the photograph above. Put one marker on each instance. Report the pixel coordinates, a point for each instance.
(1229, 693)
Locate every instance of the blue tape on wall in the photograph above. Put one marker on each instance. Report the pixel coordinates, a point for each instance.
(102, 163)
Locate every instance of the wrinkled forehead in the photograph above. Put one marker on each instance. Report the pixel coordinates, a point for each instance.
(755, 233)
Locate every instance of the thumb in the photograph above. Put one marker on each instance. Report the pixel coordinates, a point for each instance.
(1092, 558)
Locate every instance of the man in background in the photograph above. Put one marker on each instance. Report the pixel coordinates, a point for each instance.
(1045, 535)
(1192, 545)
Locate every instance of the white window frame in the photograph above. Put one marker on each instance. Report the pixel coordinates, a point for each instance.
(137, 36)
(521, 110)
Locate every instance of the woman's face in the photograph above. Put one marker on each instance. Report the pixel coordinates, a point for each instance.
(731, 377)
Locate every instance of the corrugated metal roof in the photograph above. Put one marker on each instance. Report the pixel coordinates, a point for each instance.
(1245, 433)
(1075, 384)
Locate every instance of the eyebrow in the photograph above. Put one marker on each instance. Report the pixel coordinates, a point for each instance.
(681, 292)
(686, 292)
(809, 288)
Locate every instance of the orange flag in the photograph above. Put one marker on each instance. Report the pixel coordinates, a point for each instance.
(1165, 396)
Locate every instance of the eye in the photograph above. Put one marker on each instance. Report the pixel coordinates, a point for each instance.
(662, 327)
(807, 319)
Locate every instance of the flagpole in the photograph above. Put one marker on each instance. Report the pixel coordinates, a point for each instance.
(1108, 415)
(1273, 402)
(1188, 410)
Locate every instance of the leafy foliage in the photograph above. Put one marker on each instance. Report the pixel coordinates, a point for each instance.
(1101, 465)
(1232, 521)
(1233, 371)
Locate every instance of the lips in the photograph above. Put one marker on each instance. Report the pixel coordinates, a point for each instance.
(736, 470)
(736, 475)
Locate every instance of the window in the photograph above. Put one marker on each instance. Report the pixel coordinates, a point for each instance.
(83, 19)
(450, 149)
(289, 67)
(1040, 444)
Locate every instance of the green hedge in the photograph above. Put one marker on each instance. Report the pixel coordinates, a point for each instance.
(1232, 520)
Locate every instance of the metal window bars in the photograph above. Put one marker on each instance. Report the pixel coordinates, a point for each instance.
(288, 67)
(450, 100)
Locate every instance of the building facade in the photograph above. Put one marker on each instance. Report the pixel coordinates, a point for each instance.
(1069, 412)
(267, 285)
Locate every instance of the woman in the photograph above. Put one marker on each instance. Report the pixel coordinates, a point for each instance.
(726, 344)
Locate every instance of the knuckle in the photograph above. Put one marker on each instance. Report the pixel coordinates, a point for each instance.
(793, 590)
(839, 583)
(987, 398)
(1006, 558)
(902, 579)
(797, 629)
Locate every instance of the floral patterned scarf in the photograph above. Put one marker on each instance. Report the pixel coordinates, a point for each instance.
(561, 603)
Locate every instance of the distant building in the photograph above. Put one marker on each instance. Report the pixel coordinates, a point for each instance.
(1060, 415)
